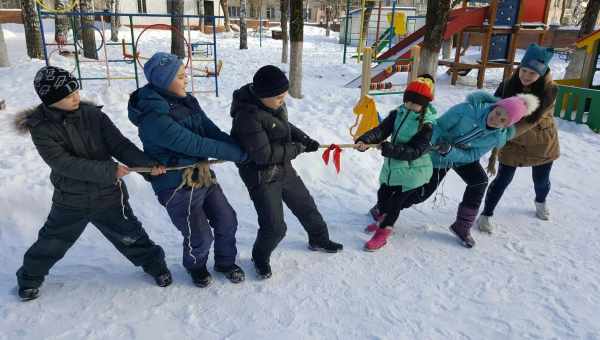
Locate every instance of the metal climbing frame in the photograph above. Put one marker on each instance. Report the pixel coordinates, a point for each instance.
(384, 35)
(74, 16)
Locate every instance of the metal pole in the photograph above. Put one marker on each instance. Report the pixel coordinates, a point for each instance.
(134, 51)
(260, 26)
(105, 51)
(393, 35)
(75, 39)
(37, 6)
(190, 55)
(346, 29)
(215, 56)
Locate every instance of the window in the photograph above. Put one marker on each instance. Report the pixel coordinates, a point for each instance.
(270, 13)
(234, 12)
(10, 4)
(141, 6)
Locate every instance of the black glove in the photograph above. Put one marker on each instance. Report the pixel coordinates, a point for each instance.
(311, 145)
(443, 148)
(387, 149)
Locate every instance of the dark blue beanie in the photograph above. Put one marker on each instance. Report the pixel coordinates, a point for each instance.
(161, 69)
(537, 58)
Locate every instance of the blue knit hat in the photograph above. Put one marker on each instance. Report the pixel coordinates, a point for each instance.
(537, 58)
(161, 69)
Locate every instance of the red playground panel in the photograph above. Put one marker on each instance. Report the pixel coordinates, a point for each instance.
(534, 10)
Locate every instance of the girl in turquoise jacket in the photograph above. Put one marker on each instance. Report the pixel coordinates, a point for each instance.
(407, 164)
(463, 135)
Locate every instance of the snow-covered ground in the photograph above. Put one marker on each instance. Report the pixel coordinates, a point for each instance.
(530, 280)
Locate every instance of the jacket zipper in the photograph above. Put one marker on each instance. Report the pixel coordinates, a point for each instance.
(393, 139)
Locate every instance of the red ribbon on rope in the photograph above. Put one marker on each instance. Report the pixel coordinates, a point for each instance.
(337, 152)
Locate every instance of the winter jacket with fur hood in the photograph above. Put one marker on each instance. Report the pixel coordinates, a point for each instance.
(464, 126)
(79, 147)
(536, 138)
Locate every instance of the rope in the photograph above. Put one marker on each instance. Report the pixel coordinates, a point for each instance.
(119, 183)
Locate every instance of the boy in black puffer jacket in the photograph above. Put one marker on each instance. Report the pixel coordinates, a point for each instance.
(78, 141)
(260, 125)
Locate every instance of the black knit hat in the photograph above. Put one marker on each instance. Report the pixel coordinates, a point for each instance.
(269, 81)
(53, 84)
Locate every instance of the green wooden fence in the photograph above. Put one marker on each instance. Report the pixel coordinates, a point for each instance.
(579, 105)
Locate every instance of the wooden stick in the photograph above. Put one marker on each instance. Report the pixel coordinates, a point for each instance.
(173, 168)
(347, 146)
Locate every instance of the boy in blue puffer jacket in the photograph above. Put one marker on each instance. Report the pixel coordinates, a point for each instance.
(460, 137)
(175, 131)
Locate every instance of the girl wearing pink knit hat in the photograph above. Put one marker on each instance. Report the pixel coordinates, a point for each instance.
(460, 137)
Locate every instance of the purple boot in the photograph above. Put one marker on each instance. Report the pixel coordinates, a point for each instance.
(462, 227)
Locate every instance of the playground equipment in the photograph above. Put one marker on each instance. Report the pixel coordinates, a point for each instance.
(579, 105)
(366, 109)
(376, 27)
(502, 22)
(398, 55)
(591, 43)
(134, 58)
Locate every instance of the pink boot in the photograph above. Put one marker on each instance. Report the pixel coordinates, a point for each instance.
(371, 228)
(379, 239)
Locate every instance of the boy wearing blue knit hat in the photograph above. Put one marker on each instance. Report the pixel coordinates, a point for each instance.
(175, 130)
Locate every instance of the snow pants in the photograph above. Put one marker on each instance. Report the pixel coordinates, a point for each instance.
(64, 226)
(268, 199)
(194, 213)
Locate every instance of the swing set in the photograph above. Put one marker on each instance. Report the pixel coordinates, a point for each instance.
(133, 57)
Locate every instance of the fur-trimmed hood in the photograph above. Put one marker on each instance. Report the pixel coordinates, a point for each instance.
(25, 120)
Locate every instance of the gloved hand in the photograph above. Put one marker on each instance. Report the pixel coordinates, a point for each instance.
(387, 149)
(311, 145)
(443, 148)
(361, 146)
(245, 160)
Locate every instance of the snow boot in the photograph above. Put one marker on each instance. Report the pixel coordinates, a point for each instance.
(325, 246)
(485, 224)
(263, 269)
(164, 279)
(379, 239)
(233, 273)
(27, 294)
(375, 212)
(371, 228)
(201, 277)
(541, 211)
(462, 227)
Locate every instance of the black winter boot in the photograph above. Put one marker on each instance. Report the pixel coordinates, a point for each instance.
(201, 277)
(233, 273)
(263, 269)
(327, 246)
(27, 294)
(164, 279)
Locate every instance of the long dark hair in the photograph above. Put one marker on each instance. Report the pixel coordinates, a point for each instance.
(540, 89)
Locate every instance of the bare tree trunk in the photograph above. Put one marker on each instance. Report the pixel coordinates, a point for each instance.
(31, 23)
(200, 7)
(4, 62)
(115, 21)
(177, 43)
(296, 41)
(61, 23)
(226, 15)
(436, 20)
(328, 20)
(88, 34)
(285, 14)
(243, 26)
(447, 48)
(577, 60)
